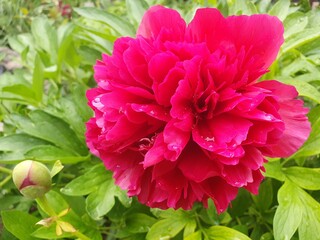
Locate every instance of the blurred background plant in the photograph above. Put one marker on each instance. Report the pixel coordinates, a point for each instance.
(47, 50)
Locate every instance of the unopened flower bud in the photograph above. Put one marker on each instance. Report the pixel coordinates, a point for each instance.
(32, 178)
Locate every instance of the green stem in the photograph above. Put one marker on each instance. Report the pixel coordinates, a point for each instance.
(80, 235)
(43, 202)
(5, 170)
(200, 226)
(4, 181)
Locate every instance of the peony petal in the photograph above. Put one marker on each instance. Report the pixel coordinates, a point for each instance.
(293, 114)
(197, 166)
(176, 140)
(158, 19)
(232, 34)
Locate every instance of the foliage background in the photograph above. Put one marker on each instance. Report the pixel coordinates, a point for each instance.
(46, 64)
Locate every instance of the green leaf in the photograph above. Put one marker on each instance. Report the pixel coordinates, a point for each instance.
(49, 153)
(170, 226)
(122, 27)
(99, 184)
(21, 142)
(243, 7)
(264, 199)
(307, 178)
(136, 9)
(47, 127)
(87, 183)
(280, 9)
(274, 170)
(20, 224)
(139, 223)
(37, 79)
(289, 213)
(24, 92)
(294, 23)
(100, 202)
(299, 39)
(194, 236)
(225, 233)
(310, 224)
(45, 36)
(8, 202)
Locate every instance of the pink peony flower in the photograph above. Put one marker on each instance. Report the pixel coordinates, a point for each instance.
(180, 116)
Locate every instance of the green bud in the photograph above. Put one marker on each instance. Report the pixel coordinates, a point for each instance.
(32, 178)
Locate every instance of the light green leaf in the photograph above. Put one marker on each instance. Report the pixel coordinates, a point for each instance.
(307, 178)
(274, 170)
(299, 39)
(280, 9)
(50, 153)
(20, 224)
(45, 36)
(136, 9)
(123, 28)
(294, 23)
(289, 213)
(194, 236)
(22, 91)
(310, 225)
(190, 228)
(21, 142)
(170, 226)
(225, 233)
(56, 168)
(243, 7)
(37, 79)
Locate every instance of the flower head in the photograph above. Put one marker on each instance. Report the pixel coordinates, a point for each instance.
(32, 178)
(180, 116)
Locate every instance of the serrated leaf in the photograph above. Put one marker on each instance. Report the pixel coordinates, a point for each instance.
(289, 212)
(20, 224)
(122, 27)
(225, 233)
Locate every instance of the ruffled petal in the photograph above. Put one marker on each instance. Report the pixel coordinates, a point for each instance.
(160, 20)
